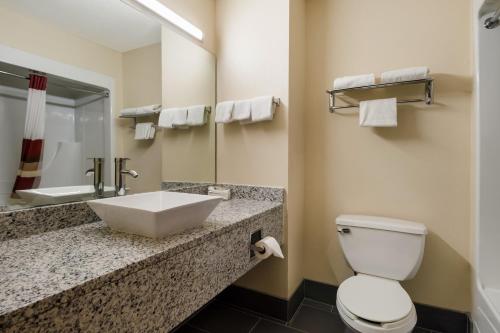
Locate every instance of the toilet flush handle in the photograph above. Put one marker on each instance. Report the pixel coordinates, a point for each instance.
(343, 230)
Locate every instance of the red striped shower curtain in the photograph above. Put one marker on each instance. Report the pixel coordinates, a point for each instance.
(28, 175)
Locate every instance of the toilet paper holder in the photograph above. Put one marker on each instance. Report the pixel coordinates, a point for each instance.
(256, 248)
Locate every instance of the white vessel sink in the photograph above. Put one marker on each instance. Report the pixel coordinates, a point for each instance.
(57, 195)
(154, 214)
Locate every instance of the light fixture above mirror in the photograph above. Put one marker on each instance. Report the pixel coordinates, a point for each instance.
(166, 14)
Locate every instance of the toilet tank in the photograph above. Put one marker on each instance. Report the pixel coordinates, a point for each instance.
(380, 246)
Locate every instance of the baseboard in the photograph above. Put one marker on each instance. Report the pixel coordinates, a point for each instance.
(429, 317)
(263, 304)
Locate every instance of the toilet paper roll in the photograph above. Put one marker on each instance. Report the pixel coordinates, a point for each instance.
(271, 247)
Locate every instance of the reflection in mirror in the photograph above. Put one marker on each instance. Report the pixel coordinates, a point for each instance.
(91, 61)
(57, 136)
(51, 124)
(189, 78)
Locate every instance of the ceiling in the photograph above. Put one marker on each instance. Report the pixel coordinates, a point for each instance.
(110, 23)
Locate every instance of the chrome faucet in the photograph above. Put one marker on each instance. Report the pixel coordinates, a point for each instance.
(97, 171)
(120, 173)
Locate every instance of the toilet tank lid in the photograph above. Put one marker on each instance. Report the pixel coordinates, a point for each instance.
(382, 223)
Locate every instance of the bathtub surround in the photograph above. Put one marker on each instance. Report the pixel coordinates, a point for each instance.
(111, 271)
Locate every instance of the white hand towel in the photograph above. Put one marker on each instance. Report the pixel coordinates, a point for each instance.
(354, 81)
(378, 113)
(166, 119)
(152, 131)
(128, 112)
(141, 110)
(180, 117)
(242, 110)
(196, 115)
(262, 108)
(405, 74)
(142, 131)
(148, 109)
(224, 112)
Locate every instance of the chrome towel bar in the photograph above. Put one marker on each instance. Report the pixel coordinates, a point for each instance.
(428, 93)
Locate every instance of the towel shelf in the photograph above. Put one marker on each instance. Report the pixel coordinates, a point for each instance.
(141, 115)
(428, 93)
(208, 109)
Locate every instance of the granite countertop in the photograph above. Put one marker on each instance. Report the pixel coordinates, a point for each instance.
(62, 264)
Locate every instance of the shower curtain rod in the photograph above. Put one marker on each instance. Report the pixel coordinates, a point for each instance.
(102, 93)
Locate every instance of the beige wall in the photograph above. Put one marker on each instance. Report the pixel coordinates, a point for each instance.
(418, 171)
(188, 79)
(252, 52)
(142, 86)
(296, 144)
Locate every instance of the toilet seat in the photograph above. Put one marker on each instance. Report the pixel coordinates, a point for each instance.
(372, 304)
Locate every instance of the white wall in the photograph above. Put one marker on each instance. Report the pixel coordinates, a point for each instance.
(89, 132)
(12, 115)
(59, 167)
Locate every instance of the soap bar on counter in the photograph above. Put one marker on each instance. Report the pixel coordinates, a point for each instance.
(220, 192)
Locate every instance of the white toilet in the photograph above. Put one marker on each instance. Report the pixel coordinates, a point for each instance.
(382, 252)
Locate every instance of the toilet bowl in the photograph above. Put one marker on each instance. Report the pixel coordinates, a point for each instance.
(382, 252)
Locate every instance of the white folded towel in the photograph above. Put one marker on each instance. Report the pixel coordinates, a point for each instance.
(152, 131)
(196, 115)
(149, 109)
(405, 74)
(378, 113)
(166, 119)
(128, 112)
(141, 110)
(143, 131)
(180, 117)
(242, 110)
(224, 112)
(354, 81)
(262, 108)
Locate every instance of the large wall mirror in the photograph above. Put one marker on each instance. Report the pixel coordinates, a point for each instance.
(75, 80)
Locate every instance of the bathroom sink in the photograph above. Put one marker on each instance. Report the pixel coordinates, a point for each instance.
(58, 195)
(154, 214)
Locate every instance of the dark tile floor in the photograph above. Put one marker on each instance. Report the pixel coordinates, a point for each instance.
(311, 317)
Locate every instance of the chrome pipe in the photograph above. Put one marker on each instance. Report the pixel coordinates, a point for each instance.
(120, 173)
(258, 249)
(98, 173)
